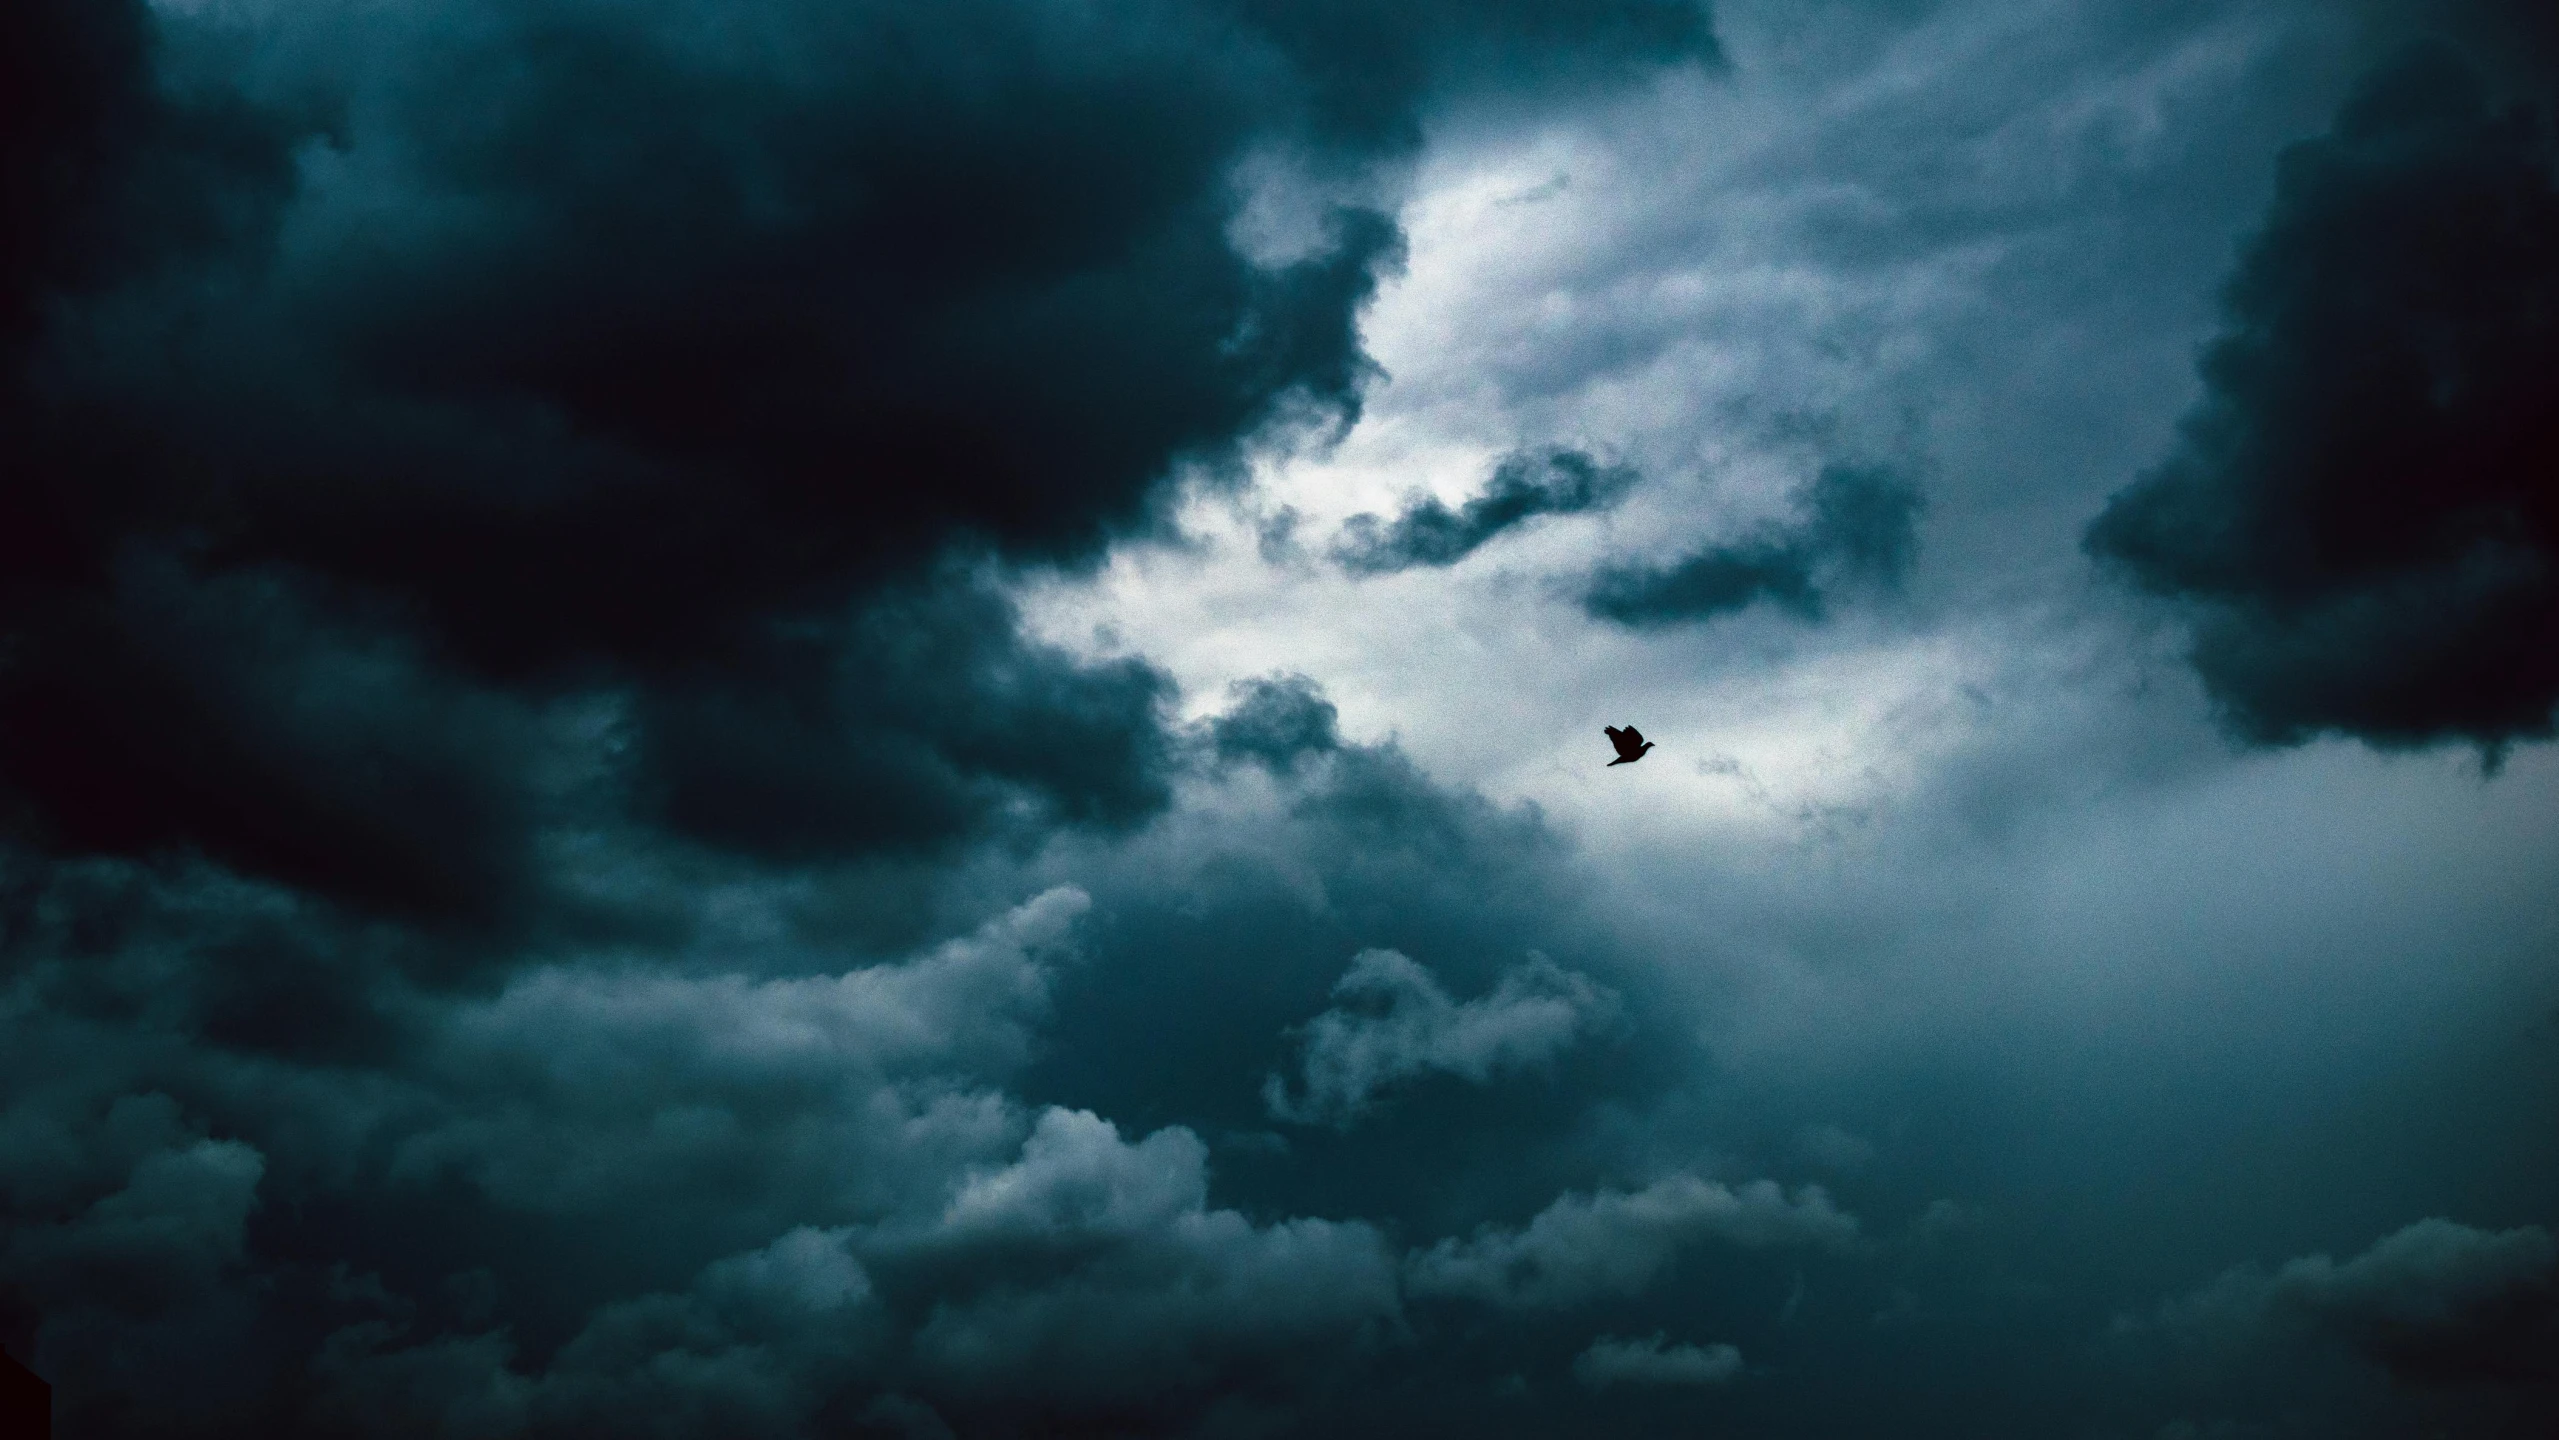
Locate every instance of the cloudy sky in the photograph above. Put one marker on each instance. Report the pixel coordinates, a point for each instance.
(852, 718)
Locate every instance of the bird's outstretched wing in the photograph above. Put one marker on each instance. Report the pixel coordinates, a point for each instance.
(1629, 742)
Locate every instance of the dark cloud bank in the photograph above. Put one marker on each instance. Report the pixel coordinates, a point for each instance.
(531, 903)
(504, 664)
(2363, 511)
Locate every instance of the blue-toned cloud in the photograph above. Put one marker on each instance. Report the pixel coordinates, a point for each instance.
(659, 774)
(2359, 512)
(1859, 528)
(1397, 1023)
(1654, 1361)
(1523, 487)
(2436, 1303)
(1617, 1243)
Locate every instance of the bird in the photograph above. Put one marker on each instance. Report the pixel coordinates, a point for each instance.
(1630, 743)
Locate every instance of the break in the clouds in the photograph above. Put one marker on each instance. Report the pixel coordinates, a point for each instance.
(1397, 1022)
(1523, 487)
(2361, 508)
(1858, 528)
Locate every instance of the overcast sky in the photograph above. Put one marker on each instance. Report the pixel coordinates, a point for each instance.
(838, 718)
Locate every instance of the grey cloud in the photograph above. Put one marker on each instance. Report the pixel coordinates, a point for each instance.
(2357, 513)
(1617, 1243)
(1834, 1149)
(1076, 1176)
(1277, 721)
(1400, 1023)
(1859, 528)
(144, 1322)
(176, 1224)
(904, 1228)
(1610, 1361)
(1153, 1293)
(644, 354)
(1524, 486)
(326, 754)
(548, 534)
(757, 1343)
(2435, 1303)
(571, 1086)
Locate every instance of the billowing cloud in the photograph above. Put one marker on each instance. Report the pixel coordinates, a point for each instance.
(1399, 1023)
(2359, 511)
(662, 771)
(378, 449)
(1149, 1294)
(1859, 528)
(1654, 1361)
(1524, 486)
(849, 1204)
(1617, 1243)
(1277, 721)
(2435, 1303)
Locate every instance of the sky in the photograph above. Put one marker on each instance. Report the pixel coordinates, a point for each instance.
(834, 718)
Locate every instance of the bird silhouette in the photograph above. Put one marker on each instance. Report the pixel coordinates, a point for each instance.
(1630, 743)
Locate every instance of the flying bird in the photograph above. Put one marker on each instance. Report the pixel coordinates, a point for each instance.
(1630, 743)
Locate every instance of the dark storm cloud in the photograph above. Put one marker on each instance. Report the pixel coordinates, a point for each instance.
(925, 718)
(472, 468)
(630, 354)
(1859, 528)
(1277, 721)
(102, 166)
(725, 1188)
(2361, 511)
(237, 714)
(2437, 1303)
(1523, 487)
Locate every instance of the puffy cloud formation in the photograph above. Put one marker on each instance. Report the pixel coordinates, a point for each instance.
(1277, 721)
(843, 1206)
(1524, 486)
(1860, 527)
(1399, 1023)
(616, 817)
(1152, 1293)
(1653, 1361)
(476, 421)
(1616, 1243)
(2435, 1303)
(2359, 511)
(267, 1171)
